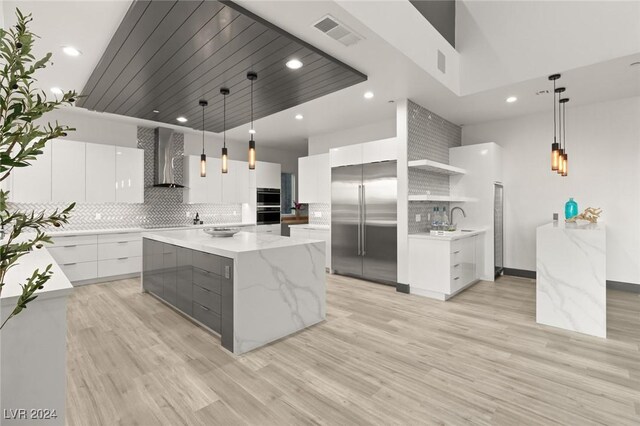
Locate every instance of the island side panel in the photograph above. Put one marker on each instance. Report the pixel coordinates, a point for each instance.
(571, 279)
(277, 292)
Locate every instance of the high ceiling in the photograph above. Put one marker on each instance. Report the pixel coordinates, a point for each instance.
(168, 55)
(392, 74)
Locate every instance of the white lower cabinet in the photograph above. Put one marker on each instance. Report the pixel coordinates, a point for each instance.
(119, 266)
(80, 271)
(439, 268)
(77, 256)
(300, 231)
(269, 229)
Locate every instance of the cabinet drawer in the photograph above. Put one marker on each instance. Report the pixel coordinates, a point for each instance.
(457, 282)
(120, 266)
(206, 317)
(119, 237)
(74, 253)
(80, 271)
(207, 298)
(119, 250)
(207, 262)
(74, 240)
(207, 280)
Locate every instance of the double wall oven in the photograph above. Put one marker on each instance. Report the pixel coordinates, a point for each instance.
(268, 206)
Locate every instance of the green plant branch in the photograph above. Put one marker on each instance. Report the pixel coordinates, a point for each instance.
(21, 142)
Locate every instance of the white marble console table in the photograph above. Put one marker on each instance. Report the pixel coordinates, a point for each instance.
(571, 277)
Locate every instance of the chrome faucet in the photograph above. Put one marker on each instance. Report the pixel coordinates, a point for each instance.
(454, 209)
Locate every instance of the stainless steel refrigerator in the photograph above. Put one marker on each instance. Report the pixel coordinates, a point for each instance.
(364, 221)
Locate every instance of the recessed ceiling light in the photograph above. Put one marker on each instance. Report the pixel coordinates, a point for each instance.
(56, 91)
(71, 51)
(182, 119)
(294, 64)
(155, 111)
(368, 95)
(511, 99)
(299, 116)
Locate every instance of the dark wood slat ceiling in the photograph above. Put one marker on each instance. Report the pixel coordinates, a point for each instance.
(167, 55)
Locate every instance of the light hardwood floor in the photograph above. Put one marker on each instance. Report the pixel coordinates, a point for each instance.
(380, 358)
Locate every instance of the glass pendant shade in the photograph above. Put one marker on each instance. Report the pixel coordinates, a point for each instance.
(555, 155)
(560, 163)
(203, 165)
(225, 161)
(252, 154)
(565, 163)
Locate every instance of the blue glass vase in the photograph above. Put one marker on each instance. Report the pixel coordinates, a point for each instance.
(570, 209)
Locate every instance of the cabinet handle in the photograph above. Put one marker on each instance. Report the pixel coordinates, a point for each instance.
(456, 252)
(205, 289)
(123, 242)
(122, 258)
(72, 246)
(203, 307)
(69, 264)
(456, 278)
(456, 265)
(227, 271)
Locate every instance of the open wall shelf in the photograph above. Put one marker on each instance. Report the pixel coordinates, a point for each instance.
(445, 198)
(435, 167)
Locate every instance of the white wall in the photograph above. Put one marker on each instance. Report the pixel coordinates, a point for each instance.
(504, 42)
(604, 171)
(320, 144)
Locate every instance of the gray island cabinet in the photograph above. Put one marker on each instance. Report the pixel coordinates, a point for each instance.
(251, 289)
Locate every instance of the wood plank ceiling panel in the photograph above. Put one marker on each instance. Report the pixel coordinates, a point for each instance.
(167, 55)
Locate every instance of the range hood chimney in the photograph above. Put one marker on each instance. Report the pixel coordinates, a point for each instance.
(164, 165)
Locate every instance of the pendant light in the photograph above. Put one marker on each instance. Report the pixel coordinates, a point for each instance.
(252, 76)
(559, 91)
(555, 147)
(225, 160)
(565, 155)
(203, 157)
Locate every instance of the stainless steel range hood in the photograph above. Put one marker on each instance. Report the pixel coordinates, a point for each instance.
(165, 161)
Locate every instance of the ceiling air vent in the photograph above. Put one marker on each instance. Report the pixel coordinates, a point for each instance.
(337, 30)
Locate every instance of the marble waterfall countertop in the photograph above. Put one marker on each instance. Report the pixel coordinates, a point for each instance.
(197, 239)
(66, 233)
(311, 226)
(571, 289)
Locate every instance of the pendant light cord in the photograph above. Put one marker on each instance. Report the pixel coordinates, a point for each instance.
(251, 109)
(564, 125)
(554, 111)
(224, 121)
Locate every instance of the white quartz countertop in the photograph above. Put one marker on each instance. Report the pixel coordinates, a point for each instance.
(58, 284)
(579, 226)
(457, 235)
(311, 226)
(196, 239)
(66, 233)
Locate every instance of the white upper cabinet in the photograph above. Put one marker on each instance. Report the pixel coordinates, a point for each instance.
(68, 171)
(314, 179)
(129, 175)
(346, 155)
(200, 189)
(32, 184)
(268, 175)
(235, 183)
(101, 173)
(363, 153)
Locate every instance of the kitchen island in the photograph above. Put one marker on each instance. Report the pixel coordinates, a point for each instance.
(250, 288)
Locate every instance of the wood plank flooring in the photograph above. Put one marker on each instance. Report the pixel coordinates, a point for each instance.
(380, 358)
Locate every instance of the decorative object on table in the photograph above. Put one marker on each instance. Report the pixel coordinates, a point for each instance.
(219, 232)
(570, 209)
(590, 214)
(22, 141)
(298, 207)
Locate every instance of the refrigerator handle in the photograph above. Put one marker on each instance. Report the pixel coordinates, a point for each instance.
(364, 222)
(359, 219)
